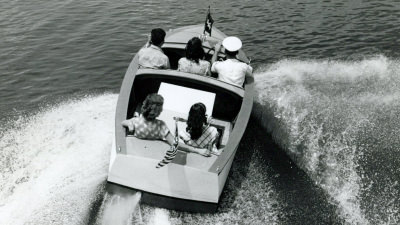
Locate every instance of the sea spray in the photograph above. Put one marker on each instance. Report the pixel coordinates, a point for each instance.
(338, 120)
(160, 217)
(54, 163)
(121, 209)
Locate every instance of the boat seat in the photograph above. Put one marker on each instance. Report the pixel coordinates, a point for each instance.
(152, 151)
(224, 128)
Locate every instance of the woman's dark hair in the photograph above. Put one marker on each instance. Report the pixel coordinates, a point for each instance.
(152, 106)
(157, 36)
(196, 119)
(194, 49)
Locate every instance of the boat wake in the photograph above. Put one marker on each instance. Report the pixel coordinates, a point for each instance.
(53, 164)
(339, 121)
(120, 209)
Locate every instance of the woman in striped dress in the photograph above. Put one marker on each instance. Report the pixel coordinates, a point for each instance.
(198, 132)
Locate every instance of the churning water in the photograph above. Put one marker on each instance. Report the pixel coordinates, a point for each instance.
(54, 163)
(339, 121)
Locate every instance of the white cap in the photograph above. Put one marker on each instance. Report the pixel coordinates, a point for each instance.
(232, 44)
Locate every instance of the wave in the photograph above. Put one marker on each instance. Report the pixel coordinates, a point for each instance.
(55, 162)
(339, 121)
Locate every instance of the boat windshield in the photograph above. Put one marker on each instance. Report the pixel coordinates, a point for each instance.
(180, 93)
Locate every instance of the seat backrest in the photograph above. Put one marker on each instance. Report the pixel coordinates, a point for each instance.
(179, 99)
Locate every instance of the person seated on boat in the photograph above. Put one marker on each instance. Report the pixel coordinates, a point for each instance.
(231, 70)
(198, 132)
(152, 56)
(147, 126)
(193, 62)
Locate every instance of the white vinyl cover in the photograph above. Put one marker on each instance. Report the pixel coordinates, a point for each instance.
(179, 99)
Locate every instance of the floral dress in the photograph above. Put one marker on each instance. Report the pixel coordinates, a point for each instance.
(145, 129)
(189, 66)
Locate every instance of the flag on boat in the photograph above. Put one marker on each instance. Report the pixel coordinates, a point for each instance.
(171, 153)
(209, 22)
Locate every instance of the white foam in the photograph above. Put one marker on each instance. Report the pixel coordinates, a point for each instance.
(315, 108)
(120, 209)
(54, 162)
(160, 217)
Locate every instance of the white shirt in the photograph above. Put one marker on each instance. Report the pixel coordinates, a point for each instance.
(232, 71)
(153, 57)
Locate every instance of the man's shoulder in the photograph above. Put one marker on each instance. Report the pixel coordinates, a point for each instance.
(159, 53)
(154, 53)
(218, 63)
(145, 51)
(141, 51)
(244, 65)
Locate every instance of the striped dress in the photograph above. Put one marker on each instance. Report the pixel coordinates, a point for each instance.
(207, 139)
(171, 153)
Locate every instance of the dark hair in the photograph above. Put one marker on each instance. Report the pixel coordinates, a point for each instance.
(196, 119)
(231, 54)
(152, 106)
(194, 49)
(157, 36)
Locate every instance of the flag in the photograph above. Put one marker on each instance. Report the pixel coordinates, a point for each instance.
(171, 153)
(209, 22)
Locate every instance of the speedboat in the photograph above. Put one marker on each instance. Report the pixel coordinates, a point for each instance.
(190, 182)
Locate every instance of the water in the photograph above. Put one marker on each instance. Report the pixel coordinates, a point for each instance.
(322, 146)
(338, 121)
(120, 209)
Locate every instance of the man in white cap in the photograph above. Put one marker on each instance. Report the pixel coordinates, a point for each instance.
(231, 70)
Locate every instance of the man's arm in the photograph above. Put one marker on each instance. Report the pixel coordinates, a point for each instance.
(249, 70)
(217, 48)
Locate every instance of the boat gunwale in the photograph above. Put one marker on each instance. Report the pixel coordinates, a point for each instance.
(239, 128)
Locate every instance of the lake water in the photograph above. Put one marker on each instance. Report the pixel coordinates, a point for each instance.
(322, 146)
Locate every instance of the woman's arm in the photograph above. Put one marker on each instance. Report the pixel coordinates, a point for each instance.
(128, 124)
(188, 148)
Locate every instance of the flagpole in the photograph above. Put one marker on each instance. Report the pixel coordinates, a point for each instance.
(208, 12)
(208, 23)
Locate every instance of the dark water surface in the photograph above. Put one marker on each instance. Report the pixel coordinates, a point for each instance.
(322, 147)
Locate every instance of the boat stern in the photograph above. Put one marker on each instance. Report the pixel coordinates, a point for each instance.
(175, 180)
